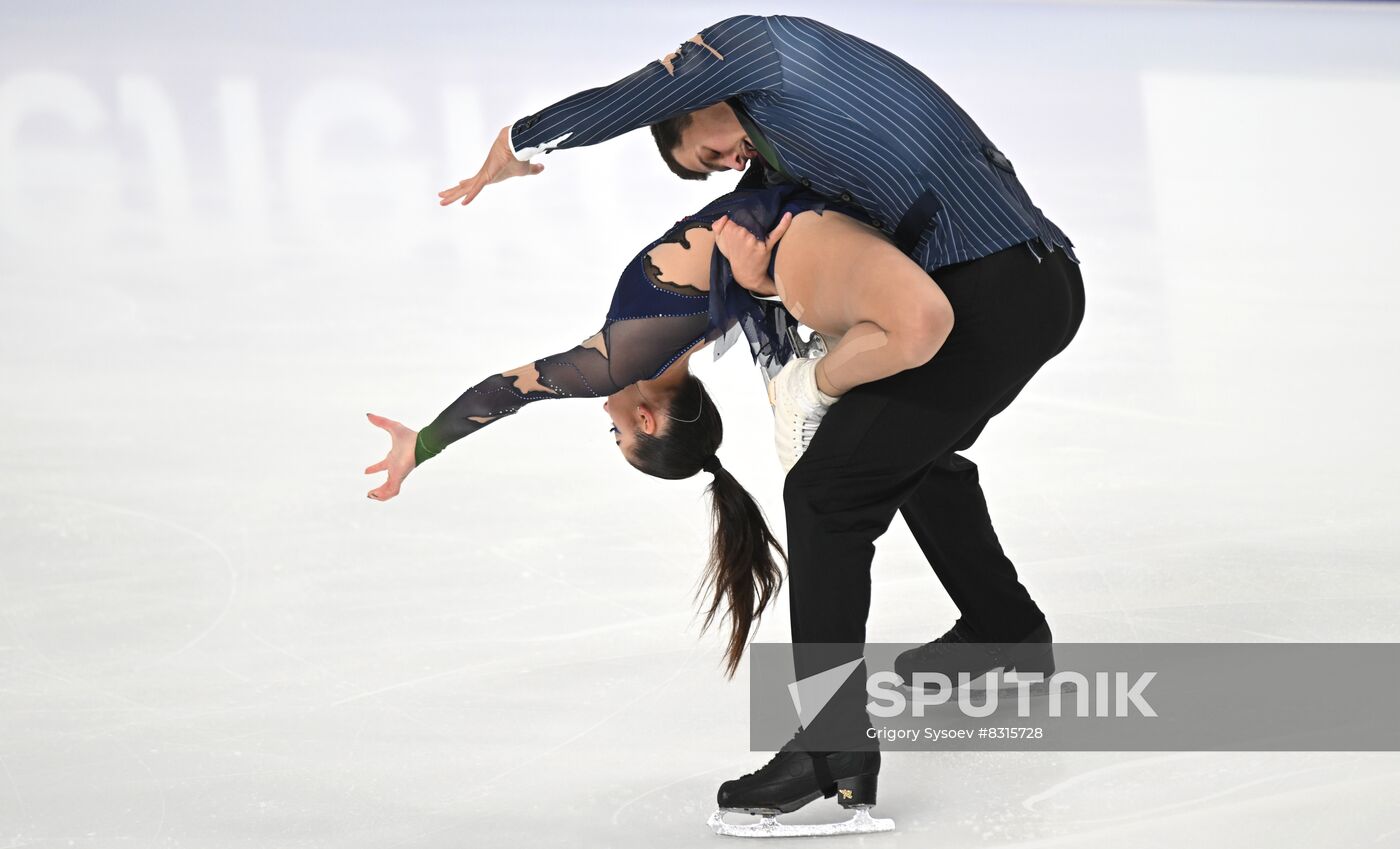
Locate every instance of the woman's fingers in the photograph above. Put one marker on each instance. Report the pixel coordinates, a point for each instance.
(400, 435)
(389, 488)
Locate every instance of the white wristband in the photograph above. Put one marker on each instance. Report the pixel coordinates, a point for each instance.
(525, 153)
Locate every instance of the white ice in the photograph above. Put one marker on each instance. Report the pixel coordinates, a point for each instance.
(220, 247)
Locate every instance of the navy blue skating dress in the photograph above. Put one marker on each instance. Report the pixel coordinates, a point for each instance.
(650, 324)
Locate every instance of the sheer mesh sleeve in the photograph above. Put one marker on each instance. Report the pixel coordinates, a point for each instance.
(622, 353)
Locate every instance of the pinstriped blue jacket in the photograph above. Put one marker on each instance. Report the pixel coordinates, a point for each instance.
(846, 118)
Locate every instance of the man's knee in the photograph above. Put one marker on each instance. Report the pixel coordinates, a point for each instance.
(954, 462)
(823, 505)
(800, 492)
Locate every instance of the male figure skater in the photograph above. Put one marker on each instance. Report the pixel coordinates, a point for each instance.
(808, 103)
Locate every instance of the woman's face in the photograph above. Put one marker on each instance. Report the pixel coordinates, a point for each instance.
(630, 413)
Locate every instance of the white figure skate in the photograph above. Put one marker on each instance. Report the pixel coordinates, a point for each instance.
(798, 405)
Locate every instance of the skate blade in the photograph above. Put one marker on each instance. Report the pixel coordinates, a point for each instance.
(768, 826)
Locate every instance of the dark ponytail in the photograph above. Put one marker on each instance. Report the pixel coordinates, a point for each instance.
(741, 569)
(741, 572)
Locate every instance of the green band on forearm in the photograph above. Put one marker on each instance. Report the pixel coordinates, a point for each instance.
(421, 451)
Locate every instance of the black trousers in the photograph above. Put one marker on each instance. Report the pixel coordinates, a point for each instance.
(890, 445)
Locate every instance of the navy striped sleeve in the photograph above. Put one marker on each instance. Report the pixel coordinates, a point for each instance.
(731, 57)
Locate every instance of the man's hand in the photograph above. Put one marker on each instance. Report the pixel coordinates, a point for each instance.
(748, 256)
(398, 462)
(500, 165)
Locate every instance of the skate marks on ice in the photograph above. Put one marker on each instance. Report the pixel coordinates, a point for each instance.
(496, 784)
(94, 595)
(164, 587)
(1145, 800)
(1190, 782)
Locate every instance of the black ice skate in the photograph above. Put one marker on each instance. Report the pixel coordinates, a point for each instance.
(959, 652)
(792, 779)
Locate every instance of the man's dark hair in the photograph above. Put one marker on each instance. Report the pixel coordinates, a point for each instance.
(668, 134)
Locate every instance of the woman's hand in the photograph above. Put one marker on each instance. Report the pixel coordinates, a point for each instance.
(398, 462)
(748, 256)
(500, 165)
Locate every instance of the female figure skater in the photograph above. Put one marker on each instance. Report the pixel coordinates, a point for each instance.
(881, 313)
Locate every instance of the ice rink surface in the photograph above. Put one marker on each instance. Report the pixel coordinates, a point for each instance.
(220, 247)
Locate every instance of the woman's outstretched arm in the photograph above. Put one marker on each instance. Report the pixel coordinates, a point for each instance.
(495, 397)
(615, 357)
(506, 393)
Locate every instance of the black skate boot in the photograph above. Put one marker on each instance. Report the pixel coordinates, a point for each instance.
(961, 652)
(794, 777)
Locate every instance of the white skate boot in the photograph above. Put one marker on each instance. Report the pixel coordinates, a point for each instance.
(798, 408)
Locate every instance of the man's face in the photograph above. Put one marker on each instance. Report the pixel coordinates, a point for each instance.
(714, 141)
